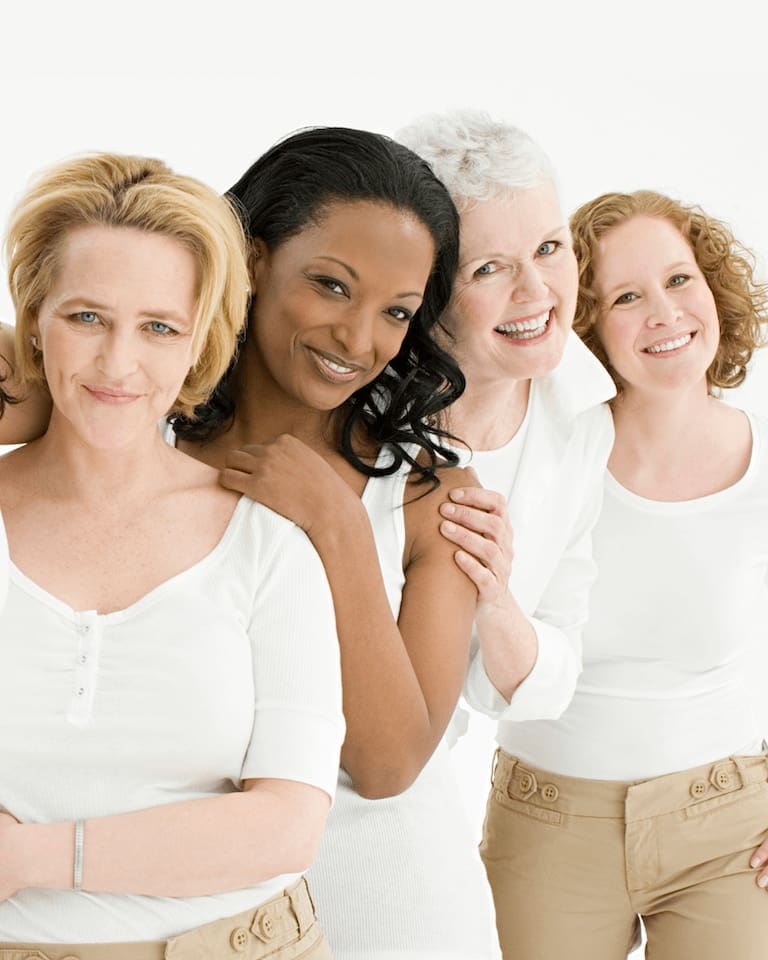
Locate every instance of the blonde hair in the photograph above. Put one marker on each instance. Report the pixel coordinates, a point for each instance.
(727, 266)
(125, 191)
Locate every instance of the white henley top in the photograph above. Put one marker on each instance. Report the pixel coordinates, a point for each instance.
(229, 670)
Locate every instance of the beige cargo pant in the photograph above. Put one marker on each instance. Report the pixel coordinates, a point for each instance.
(574, 863)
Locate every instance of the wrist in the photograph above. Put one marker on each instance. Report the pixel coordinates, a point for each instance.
(339, 526)
(46, 855)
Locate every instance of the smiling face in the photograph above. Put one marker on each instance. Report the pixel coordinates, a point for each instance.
(515, 292)
(658, 320)
(333, 303)
(115, 331)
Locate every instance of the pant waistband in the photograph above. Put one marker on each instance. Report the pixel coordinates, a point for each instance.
(251, 935)
(630, 800)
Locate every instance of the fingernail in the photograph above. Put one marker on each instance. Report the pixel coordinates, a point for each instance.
(457, 494)
(754, 862)
(763, 881)
(447, 509)
(448, 527)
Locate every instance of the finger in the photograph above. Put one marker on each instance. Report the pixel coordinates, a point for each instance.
(244, 459)
(490, 525)
(237, 480)
(760, 856)
(484, 550)
(487, 585)
(487, 500)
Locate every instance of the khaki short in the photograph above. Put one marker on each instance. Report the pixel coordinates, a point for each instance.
(284, 928)
(573, 864)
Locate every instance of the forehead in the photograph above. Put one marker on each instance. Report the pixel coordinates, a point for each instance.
(515, 217)
(363, 233)
(641, 241)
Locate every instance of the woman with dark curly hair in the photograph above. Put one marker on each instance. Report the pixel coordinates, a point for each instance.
(656, 775)
(329, 417)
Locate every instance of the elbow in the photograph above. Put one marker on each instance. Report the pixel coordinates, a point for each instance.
(306, 833)
(380, 781)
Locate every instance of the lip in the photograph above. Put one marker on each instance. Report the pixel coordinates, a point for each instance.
(321, 360)
(523, 338)
(110, 395)
(648, 351)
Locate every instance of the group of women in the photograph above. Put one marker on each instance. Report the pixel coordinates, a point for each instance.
(308, 460)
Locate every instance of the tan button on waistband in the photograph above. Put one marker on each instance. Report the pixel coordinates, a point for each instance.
(239, 939)
(698, 788)
(721, 778)
(550, 792)
(266, 927)
(526, 782)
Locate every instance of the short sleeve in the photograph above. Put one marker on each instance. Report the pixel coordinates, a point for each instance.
(298, 725)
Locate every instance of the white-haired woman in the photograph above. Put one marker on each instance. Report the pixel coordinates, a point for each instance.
(535, 418)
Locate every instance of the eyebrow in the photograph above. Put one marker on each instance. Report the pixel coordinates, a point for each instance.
(667, 269)
(355, 276)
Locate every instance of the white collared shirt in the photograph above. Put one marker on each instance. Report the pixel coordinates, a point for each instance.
(554, 500)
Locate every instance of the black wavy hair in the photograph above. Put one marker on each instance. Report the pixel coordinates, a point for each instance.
(5, 397)
(291, 186)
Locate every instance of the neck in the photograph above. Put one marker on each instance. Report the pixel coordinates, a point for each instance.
(489, 414)
(117, 475)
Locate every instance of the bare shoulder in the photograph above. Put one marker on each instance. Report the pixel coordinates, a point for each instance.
(422, 510)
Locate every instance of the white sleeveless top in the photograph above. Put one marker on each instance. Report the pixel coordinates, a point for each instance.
(3, 564)
(400, 878)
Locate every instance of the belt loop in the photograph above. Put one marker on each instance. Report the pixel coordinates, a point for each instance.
(743, 775)
(302, 906)
(495, 763)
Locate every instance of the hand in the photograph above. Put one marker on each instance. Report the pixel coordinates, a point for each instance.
(10, 874)
(478, 523)
(760, 859)
(289, 478)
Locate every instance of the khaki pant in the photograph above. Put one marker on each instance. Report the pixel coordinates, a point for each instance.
(573, 863)
(284, 928)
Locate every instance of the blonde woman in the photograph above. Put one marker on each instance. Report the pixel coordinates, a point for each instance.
(176, 716)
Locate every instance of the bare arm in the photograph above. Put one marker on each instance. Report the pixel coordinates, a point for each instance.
(400, 678)
(28, 418)
(187, 849)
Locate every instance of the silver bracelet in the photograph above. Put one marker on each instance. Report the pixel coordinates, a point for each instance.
(77, 873)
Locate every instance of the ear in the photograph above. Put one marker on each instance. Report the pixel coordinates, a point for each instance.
(258, 259)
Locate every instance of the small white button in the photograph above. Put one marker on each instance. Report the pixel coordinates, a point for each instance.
(82, 658)
(81, 691)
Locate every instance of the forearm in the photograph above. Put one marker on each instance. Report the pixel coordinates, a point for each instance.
(508, 644)
(187, 849)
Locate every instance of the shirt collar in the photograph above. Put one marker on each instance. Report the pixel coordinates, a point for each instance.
(577, 383)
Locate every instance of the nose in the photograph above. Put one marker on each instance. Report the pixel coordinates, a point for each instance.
(663, 309)
(528, 284)
(354, 334)
(117, 356)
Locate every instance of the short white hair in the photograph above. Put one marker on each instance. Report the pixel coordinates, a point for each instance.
(477, 158)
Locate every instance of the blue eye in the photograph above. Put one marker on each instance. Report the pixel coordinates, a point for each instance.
(486, 269)
(160, 328)
(88, 317)
(678, 279)
(548, 248)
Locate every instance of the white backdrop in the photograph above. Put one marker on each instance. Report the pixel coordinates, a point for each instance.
(666, 95)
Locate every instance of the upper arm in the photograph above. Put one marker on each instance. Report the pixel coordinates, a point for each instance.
(438, 602)
(28, 418)
(298, 724)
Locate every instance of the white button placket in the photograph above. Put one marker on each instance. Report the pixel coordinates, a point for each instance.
(88, 632)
